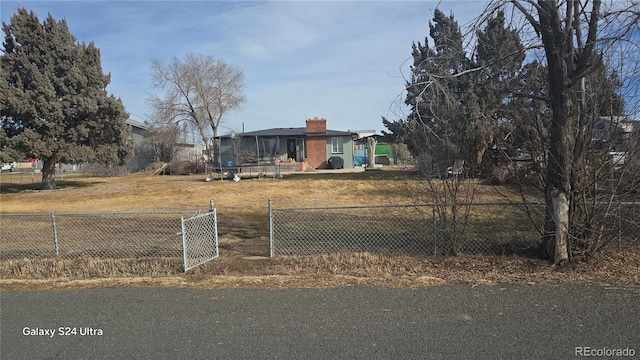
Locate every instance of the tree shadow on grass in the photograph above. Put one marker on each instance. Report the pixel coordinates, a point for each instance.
(13, 188)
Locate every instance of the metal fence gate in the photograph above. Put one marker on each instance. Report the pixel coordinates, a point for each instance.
(200, 239)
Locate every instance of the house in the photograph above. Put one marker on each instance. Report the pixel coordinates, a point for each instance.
(312, 146)
(143, 153)
(188, 151)
(143, 149)
(614, 132)
(618, 135)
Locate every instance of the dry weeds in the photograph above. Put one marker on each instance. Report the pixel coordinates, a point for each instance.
(320, 271)
(242, 209)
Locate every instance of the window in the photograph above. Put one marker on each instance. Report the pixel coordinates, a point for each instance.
(336, 145)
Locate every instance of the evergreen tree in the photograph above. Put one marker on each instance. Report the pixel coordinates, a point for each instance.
(499, 51)
(438, 96)
(396, 131)
(54, 103)
(457, 103)
(602, 90)
(499, 55)
(452, 105)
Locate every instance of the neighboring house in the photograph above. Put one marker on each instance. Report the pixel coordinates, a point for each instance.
(143, 153)
(617, 135)
(187, 151)
(383, 152)
(614, 132)
(311, 146)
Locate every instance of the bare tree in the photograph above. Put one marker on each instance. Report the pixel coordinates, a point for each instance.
(200, 91)
(553, 105)
(570, 32)
(163, 141)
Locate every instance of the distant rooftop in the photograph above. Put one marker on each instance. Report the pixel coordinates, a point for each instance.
(294, 132)
(137, 124)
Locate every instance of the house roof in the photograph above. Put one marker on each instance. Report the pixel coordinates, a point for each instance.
(633, 125)
(620, 124)
(294, 132)
(137, 124)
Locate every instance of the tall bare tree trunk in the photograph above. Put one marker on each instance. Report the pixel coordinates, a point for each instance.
(559, 51)
(558, 188)
(208, 164)
(371, 156)
(48, 174)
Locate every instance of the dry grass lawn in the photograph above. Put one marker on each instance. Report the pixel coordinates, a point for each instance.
(243, 226)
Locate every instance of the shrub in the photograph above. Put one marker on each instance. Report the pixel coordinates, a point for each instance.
(499, 175)
(186, 167)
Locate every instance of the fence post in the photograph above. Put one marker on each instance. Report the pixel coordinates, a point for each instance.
(619, 228)
(270, 229)
(215, 232)
(55, 234)
(214, 225)
(435, 231)
(184, 244)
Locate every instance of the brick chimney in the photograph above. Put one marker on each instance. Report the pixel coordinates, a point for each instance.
(317, 126)
(316, 143)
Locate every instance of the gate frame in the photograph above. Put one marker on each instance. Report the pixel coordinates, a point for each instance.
(210, 213)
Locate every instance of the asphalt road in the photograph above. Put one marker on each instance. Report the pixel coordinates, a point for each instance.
(440, 322)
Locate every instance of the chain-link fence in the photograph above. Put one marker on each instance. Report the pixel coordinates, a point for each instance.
(614, 224)
(200, 239)
(26, 174)
(628, 225)
(496, 228)
(103, 235)
(415, 229)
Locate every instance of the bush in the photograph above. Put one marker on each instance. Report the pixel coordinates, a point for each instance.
(499, 175)
(186, 167)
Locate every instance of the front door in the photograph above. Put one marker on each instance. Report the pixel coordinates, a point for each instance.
(291, 149)
(299, 150)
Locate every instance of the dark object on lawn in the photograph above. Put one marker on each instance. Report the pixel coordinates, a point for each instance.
(336, 162)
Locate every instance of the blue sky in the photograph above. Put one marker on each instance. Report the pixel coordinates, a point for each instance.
(334, 59)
